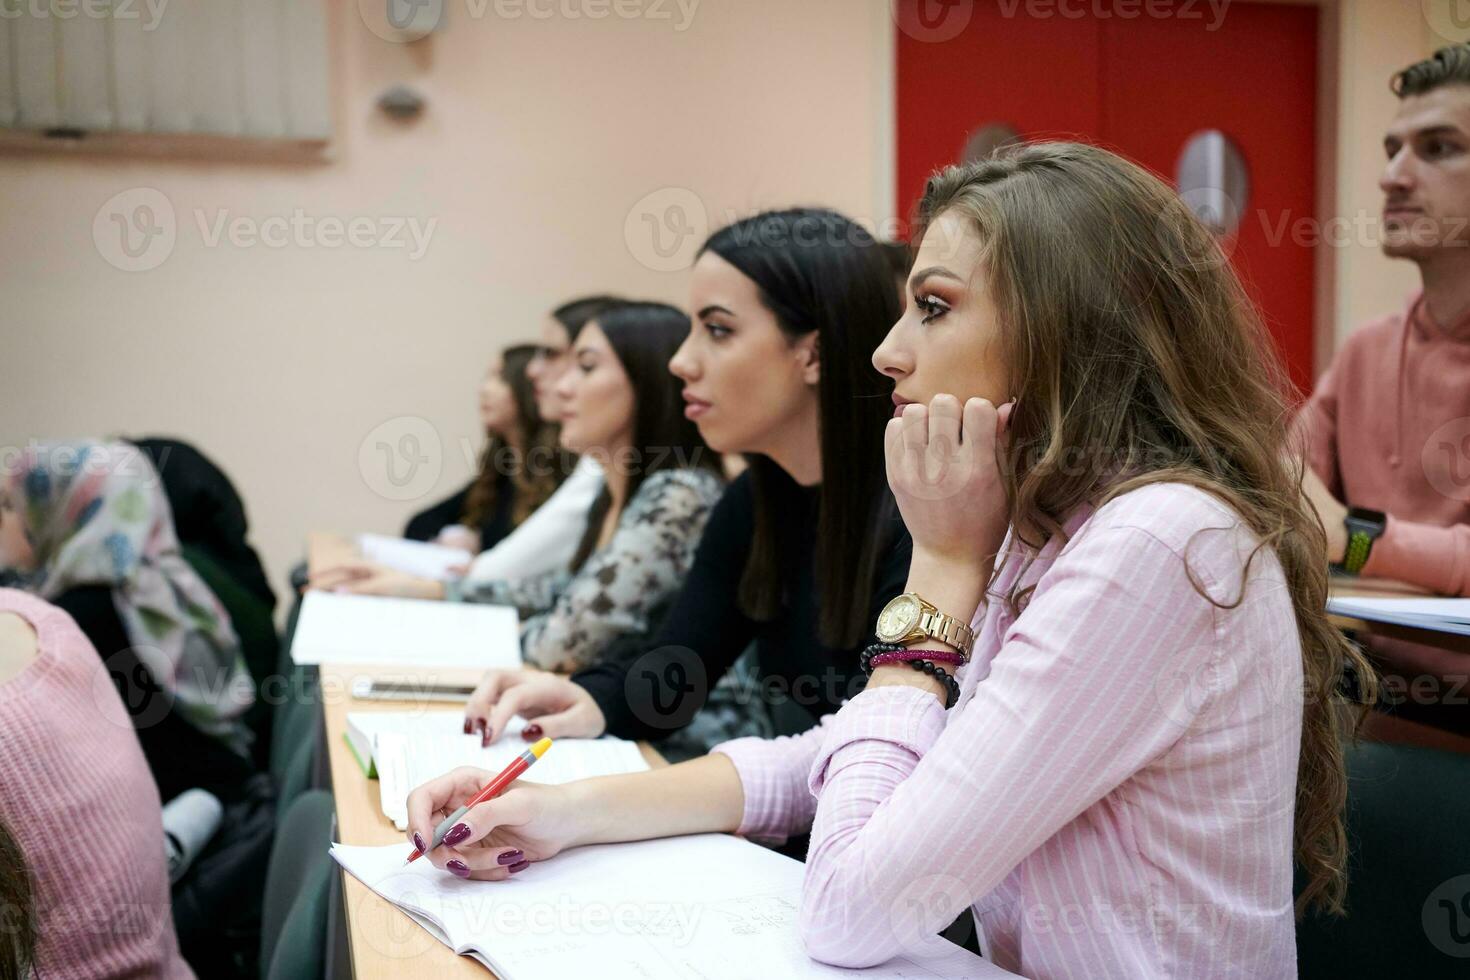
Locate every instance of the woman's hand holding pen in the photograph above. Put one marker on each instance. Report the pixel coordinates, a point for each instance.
(498, 838)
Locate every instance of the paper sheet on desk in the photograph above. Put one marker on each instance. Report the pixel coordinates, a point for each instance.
(421, 558)
(708, 906)
(1445, 615)
(357, 629)
(408, 759)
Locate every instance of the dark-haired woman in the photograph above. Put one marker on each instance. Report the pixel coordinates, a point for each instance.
(620, 406)
(519, 467)
(805, 547)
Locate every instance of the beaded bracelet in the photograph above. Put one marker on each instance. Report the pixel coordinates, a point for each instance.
(865, 659)
(951, 686)
(904, 656)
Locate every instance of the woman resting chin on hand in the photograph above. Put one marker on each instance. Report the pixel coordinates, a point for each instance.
(1144, 738)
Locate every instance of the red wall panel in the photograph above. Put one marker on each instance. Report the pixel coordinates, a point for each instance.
(1139, 86)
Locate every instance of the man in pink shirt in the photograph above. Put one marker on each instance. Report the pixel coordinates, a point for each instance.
(1387, 430)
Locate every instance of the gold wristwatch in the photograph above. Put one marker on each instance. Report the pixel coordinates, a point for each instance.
(909, 617)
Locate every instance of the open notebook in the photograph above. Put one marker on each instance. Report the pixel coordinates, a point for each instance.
(409, 757)
(708, 906)
(359, 629)
(1445, 615)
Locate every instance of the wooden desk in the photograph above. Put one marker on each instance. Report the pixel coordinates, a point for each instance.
(1386, 589)
(384, 941)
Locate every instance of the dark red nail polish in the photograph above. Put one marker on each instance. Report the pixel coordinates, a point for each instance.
(419, 842)
(456, 834)
(459, 868)
(469, 727)
(531, 733)
(518, 868)
(512, 857)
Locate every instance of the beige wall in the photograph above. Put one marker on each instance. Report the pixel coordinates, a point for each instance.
(1375, 39)
(539, 139)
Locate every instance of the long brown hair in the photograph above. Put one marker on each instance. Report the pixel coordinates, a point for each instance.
(17, 911)
(536, 468)
(1129, 340)
(644, 336)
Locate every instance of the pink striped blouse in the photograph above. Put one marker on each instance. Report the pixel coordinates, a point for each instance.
(1112, 794)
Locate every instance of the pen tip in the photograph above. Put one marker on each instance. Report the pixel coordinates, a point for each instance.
(539, 749)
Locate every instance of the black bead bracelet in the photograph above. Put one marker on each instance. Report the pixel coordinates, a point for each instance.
(951, 686)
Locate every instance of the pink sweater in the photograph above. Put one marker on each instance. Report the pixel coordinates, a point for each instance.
(79, 798)
(1112, 794)
(1388, 428)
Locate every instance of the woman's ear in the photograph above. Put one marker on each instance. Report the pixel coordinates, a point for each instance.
(809, 356)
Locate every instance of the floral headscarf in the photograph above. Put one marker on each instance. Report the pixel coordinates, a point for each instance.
(95, 514)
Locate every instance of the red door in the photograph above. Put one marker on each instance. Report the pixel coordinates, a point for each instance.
(1140, 85)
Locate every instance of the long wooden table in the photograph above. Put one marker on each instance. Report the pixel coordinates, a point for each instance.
(385, 942)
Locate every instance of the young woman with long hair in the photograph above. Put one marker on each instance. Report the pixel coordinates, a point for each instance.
(519, 468)
(619, 406)
(806, 545)
(1088, 453)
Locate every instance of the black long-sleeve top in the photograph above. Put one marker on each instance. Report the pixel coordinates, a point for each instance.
(652, 689)
(180, 756)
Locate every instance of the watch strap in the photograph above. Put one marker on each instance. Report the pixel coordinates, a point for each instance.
(947, 629)
(1363, 528)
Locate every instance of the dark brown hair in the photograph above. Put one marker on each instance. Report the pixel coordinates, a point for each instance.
(644, 337)
(1449, 65)
(821, 272)
(536, 467)
(1129, 339)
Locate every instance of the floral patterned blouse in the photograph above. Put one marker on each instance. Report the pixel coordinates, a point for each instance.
(569, 618)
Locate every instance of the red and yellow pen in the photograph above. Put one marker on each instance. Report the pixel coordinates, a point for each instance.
(492, 789)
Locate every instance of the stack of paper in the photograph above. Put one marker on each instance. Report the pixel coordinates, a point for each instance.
(357, 629)
(1444, 615)
(363, 728)
(408, 748)
(415, 557)
(707, 906)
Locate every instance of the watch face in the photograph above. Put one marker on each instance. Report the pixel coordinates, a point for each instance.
(897, 618)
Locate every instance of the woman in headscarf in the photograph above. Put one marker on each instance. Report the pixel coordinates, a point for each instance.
(86, 527)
